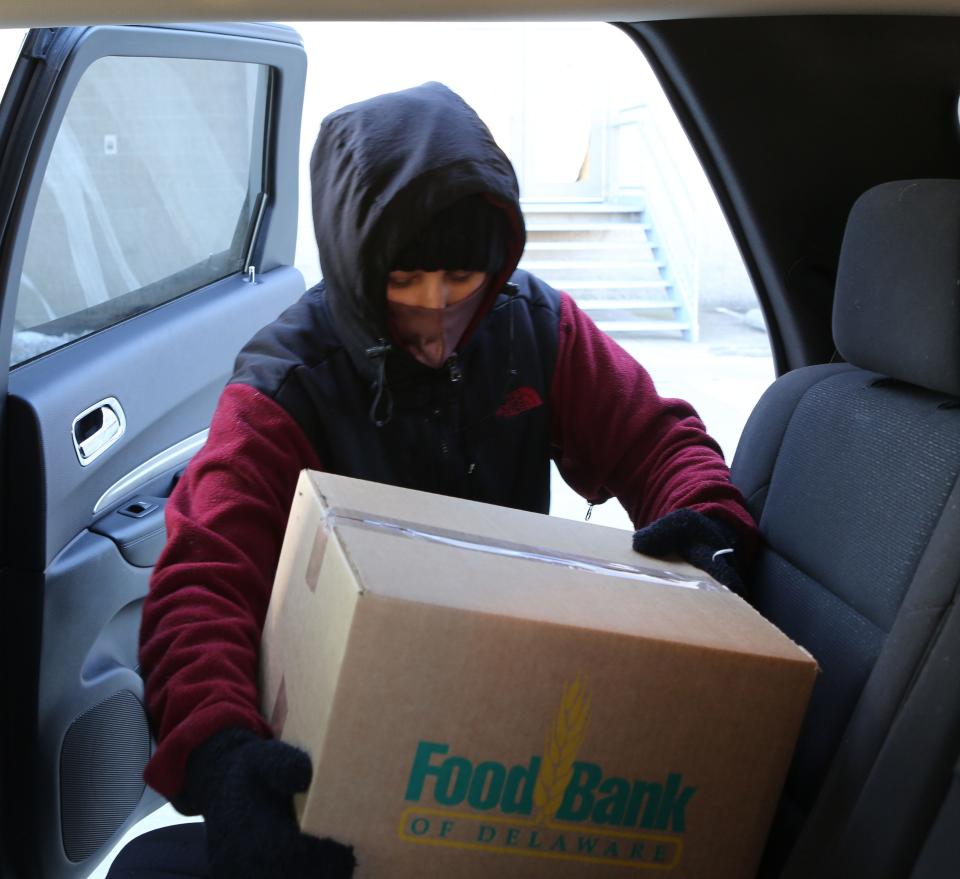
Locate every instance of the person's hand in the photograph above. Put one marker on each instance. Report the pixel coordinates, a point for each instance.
(243, 786)
(706, 543)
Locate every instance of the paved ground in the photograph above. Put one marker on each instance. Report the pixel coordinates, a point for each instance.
(723, 375)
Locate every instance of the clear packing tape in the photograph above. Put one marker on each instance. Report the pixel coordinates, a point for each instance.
(507, 549)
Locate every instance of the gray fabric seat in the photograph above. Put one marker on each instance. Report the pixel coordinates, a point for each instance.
(852, 473)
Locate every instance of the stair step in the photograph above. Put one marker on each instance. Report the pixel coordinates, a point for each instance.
(574, 244)
(585, 207)
(627, 304)
(570, 285)
(575, 217)
(537, 265)
(643, 326)
(586, 227)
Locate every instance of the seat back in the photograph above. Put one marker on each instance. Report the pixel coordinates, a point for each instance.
(852, 472)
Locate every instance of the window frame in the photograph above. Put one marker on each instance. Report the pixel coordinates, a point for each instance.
(65, 56)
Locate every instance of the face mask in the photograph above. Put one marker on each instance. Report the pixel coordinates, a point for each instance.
(431, 335)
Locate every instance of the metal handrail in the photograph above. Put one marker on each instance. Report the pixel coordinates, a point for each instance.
(670, 205)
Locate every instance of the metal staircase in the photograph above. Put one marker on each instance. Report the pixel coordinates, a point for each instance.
(608, 258)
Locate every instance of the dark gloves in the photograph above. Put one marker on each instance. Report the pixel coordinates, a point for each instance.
(243, 786)
(697, 539)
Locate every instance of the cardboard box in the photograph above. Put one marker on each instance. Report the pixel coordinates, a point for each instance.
(486, 692)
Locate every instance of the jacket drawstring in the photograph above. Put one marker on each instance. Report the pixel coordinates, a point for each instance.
(513, 378)
(381, 410)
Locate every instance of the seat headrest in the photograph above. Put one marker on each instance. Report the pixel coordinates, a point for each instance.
(897, 304)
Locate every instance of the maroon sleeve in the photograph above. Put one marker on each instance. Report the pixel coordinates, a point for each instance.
(202, 619)
(613, 435)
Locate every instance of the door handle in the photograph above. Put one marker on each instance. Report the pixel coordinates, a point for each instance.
(97, 428)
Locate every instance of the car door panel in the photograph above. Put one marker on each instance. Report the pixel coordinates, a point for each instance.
(166, 368)
(80, 536)
(93, 740)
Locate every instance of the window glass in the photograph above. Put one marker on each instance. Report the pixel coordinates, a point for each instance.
(149, 193)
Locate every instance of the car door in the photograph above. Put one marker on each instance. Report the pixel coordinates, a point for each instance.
(148, 189)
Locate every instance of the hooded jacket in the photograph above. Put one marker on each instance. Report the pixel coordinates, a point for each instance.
(324, 387)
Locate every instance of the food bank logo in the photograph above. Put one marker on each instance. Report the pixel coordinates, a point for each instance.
(552, 806)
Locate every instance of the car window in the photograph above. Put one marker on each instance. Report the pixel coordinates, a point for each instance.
(619, 212)
(150, 192)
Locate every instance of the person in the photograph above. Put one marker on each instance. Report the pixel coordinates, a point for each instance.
(424, 359)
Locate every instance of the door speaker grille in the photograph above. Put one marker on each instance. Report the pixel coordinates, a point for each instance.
(101, 772)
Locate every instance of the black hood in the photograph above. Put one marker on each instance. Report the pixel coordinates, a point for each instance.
(379, 171)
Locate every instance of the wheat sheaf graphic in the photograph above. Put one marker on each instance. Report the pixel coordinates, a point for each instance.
(560, 750)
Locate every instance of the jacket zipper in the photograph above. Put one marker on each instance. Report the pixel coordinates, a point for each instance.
(452, 425)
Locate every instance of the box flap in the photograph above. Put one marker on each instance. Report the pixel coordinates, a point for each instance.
(432, 549)
(494, 524)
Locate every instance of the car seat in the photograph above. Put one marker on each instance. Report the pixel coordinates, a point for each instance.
(851, 471)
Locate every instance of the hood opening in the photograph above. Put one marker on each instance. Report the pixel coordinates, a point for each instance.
(380, 171)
